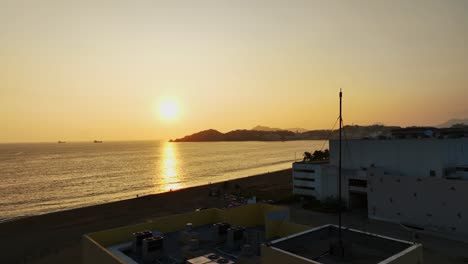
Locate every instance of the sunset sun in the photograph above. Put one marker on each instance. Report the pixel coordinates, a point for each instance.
(169, 110)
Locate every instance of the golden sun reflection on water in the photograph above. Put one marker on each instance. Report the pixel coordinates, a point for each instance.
(169, 173)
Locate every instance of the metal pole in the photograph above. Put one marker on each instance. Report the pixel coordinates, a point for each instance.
(339, 182)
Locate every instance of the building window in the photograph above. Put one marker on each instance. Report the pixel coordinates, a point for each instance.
(358, 183)
(304, 170)
(304, 187)
(304, 179)
(432, 173)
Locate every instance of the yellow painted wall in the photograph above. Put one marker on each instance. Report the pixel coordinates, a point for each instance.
(164, 224)
(247, 215)
(288, 228)
(271, 228)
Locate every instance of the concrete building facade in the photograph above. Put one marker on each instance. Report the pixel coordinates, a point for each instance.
(404, 157)
(421, 183)
(313, 179)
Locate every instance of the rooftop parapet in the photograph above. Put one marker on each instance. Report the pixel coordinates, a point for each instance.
(316, 246)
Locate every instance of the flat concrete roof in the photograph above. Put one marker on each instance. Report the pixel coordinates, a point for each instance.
(364, 248)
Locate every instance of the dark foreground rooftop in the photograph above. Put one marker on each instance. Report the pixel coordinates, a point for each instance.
(360, 247)
(195, 246)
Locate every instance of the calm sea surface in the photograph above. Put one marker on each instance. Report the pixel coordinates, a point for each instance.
(46, 177)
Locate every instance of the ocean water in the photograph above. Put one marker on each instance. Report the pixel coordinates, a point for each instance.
(38, 178)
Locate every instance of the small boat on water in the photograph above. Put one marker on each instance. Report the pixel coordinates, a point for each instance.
(97, 141)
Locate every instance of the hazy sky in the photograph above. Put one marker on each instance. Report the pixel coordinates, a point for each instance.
(78, 70)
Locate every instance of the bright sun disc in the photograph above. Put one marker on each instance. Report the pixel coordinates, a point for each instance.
(168, 110)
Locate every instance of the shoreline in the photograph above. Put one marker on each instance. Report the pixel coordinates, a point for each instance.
(16, 218)
(56, 237)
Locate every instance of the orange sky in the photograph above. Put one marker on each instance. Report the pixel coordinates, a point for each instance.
(79, 70)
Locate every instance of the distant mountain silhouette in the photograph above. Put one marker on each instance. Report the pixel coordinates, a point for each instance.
(350, 132)
(205, 135)
(237, 135)
(266, 128)
(454, 121)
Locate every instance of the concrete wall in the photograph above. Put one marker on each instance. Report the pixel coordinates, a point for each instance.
(405, 157)
(435, 204)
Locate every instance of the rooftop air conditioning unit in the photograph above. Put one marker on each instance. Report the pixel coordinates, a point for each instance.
(220, 231)
(138, 241)
(235, 237)
(152, 248)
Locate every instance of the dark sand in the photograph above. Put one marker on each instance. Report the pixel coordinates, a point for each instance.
(56, 237)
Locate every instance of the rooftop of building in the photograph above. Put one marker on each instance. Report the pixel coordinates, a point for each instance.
(317, 245)
(255, 233)
(252, 225)
(206, 245)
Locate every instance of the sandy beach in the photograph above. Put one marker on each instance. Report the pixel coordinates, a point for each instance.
(56, 237)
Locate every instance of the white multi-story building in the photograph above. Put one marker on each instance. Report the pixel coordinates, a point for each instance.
(311, 179)
(421, 183)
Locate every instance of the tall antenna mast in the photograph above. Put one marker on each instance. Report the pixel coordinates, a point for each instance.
(339, 181)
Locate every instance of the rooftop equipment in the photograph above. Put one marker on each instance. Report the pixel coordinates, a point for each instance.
(152, 247)
(220, 232)
(222, 228)
(235, 237)
(137, 240)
